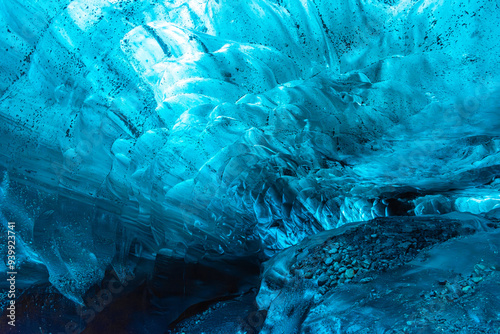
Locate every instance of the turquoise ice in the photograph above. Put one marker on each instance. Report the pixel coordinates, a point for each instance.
(232, 128)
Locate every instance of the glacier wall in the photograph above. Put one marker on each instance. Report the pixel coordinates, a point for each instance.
(227, 128)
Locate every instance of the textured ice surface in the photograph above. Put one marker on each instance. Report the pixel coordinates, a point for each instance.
(424, 287)
(224, 129)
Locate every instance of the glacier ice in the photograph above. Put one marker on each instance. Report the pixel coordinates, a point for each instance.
(441, 287)
(143, 136)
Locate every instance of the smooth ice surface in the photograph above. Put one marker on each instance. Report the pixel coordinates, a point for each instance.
(223, 129)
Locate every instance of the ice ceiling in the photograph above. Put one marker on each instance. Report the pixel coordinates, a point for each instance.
(231, 129)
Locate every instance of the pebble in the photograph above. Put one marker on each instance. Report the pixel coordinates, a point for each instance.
(328, 261)
(308, 275)
(349, 273)
(466, 288)
(337, 257)
(366, 280)
(405, 245)
(477, 279)
(366, 264)
(322, 280)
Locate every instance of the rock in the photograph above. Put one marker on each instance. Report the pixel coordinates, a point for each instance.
(480, 266)
(466, 288)
(337, 257)
(322, 280)
(366, 280)
(349, 273)
(333, 250)
(405, 245)
(308, 275)
(328, 261)
(477, 279)
(389, 243)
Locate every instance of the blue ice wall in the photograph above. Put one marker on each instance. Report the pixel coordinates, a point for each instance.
(231, 127)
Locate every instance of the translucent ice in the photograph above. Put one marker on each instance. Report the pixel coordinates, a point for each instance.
(228, 128)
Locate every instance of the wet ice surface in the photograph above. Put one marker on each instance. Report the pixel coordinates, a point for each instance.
(163, 139)
(365, 280)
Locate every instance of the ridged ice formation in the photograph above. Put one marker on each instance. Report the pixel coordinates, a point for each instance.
(225, 128)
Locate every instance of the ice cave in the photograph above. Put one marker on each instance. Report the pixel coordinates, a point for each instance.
(250, 166)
